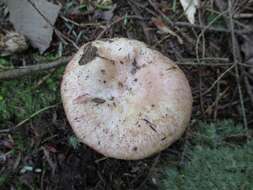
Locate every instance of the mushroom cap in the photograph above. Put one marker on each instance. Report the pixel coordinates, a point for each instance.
(127, 101)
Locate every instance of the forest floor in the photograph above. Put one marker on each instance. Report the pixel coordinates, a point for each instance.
(38, 149)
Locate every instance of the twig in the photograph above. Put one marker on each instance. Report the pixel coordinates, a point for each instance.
(217, 99)
(29, 118)
(170, 23)
(162, 40)
(218, 79)
(200, 91)
(249, 89)
(35, 114)
(44, 78)
(203, 33)
(144, 7)
(210, 28)
(230, 104)
(5, 130)
(202, 23)
(237, 58)
(115, 22)
(160, 12)
(191, 63)
(243, 15)
(143, 24)
(185, 144)
(49, 160)
(238, 23)
(22, 71)
(151, 170)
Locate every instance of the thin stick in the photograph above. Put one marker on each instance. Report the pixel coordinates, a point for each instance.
(249, 89)
(218, 96)
(218, 79)
(35, 114)
(115, 22)
(203, 33)
(22, 71)
(204, 64)
(28, 119)
(143, 24)
(236, 57)
(160, 12)
(170, 23)
(144, 7)
(211, 28)
(151, 170)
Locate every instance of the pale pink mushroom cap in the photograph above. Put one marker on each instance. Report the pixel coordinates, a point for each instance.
(129, 102)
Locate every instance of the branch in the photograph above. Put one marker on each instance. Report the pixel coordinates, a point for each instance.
(22, 71)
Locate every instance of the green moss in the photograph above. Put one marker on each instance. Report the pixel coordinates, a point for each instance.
(74, 142)
(21, 98)
(213, 162)
(214, 134)
(3, 180)
(5, 64)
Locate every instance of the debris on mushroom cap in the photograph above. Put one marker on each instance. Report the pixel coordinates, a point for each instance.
(127, 101)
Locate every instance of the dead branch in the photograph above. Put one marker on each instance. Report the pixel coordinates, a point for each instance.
(22, 71)
(210, 28)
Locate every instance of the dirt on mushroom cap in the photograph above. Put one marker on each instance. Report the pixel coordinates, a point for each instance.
(128, 102)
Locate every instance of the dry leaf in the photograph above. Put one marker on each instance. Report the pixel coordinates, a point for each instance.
(29, 22)
(163, 28)
(190, 7)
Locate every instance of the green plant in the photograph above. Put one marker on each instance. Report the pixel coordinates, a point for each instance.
(213, 162)
(73, 141)
(3, 180)
(21, 98)
(5, 64)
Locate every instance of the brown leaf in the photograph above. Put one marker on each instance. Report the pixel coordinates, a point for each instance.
(163, 28)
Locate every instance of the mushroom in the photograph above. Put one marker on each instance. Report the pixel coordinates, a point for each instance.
(125, 100)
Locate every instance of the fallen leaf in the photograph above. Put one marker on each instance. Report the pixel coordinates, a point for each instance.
(27, 20)
(164, 29)
(190, 7)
